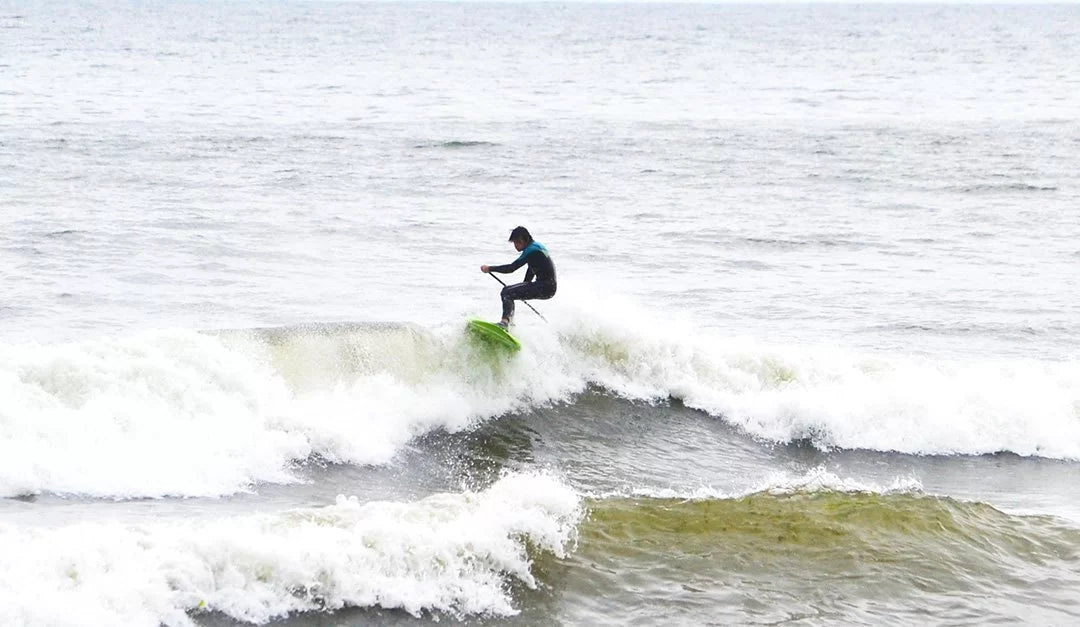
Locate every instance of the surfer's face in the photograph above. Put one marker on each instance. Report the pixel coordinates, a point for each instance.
(519, 245)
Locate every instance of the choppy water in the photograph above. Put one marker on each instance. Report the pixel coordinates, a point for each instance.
(813, 356)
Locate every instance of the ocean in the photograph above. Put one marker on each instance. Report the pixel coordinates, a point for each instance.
(813, 357)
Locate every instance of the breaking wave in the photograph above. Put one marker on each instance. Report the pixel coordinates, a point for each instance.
(195, 414)
(453, 554)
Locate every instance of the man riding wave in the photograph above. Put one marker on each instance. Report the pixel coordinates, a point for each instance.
(539, 278)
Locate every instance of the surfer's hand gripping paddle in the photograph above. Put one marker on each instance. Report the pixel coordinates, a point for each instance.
(492, 275)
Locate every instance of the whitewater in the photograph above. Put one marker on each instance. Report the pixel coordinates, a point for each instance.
(182, 413)
(813, 355)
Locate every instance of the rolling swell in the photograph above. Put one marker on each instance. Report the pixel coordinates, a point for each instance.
(855, 556)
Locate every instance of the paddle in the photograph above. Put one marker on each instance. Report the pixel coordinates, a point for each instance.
(524, 301)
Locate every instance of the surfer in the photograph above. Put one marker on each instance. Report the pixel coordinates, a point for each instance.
(539, 278)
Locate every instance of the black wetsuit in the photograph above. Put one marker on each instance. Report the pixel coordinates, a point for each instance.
(541, 268)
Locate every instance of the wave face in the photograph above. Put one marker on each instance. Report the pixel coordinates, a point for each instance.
(456, 554)
(199, 414)
(834, 398)
(847, 556)
(815, 546)
(530, 547)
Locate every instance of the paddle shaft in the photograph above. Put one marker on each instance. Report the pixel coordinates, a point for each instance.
(492, 275)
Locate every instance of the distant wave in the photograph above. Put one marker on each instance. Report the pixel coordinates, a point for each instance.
(1004, 187)
(62, 233)
(457, 144)
(821, 241)
(972, 328)
(196, 414)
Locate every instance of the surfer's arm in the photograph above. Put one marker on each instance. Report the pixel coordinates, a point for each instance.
(510, 267)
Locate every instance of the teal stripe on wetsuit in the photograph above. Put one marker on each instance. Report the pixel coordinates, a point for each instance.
(531, 248)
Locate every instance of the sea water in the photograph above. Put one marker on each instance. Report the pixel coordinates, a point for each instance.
(813, 356)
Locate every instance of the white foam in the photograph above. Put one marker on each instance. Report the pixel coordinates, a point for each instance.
(821, 480)
(835, 397)
(779, 483)
(168, 413)
(183, 413)
(450, 552)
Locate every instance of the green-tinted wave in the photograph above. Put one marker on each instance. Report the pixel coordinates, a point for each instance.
(824, 555)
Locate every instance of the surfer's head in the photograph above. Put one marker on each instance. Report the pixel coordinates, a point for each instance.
(521, 238)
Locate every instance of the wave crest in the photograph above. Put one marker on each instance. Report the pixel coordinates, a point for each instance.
(449, 553)
(194, 414)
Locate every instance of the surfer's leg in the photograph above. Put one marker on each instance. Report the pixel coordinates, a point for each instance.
(508, 307)
(509, 294)
(518, 291)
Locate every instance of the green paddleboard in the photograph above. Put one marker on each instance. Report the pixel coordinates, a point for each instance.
(493, 334)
